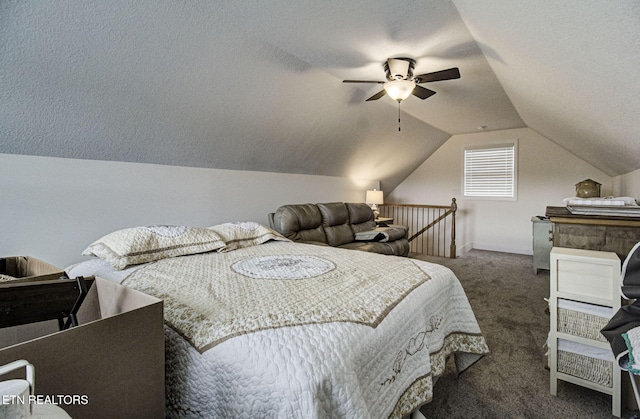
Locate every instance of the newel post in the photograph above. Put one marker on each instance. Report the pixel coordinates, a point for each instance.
(452, 249)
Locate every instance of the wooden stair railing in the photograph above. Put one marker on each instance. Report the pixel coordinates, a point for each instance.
(428, 232)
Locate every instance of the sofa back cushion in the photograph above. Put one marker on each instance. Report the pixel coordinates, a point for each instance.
(301, 222)
(361, 217)
(335, 221)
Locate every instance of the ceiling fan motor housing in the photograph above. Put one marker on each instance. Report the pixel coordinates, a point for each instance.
(399, 68)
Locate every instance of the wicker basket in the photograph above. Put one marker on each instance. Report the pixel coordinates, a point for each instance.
(591, 369)
(581, 324)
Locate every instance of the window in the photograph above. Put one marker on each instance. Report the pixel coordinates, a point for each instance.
(490, 171)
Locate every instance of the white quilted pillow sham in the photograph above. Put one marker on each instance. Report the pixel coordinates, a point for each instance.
(5, 277)
(132, 246)
(245, 234)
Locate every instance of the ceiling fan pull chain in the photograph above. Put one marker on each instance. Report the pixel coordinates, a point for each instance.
(399, 116)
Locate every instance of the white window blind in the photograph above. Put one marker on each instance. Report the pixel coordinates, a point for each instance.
(490, 171)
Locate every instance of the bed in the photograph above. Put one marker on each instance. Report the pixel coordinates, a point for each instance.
(259, 326)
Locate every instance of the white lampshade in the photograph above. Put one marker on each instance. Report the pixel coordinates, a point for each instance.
(399, 89)
(374, 197)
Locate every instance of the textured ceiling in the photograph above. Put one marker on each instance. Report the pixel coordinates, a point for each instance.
(570, 69)
(256, 85)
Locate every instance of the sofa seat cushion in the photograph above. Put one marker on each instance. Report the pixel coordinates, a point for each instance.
(300, 222)
(395, 248)
(335, 221)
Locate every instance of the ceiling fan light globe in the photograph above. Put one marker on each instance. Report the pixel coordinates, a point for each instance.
(399, 89)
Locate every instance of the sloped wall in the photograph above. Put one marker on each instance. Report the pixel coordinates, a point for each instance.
(547, 174)
(52, 208)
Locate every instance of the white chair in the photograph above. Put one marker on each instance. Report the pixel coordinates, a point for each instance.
(14, 396)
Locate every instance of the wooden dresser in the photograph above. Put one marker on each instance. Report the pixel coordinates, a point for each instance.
(594, 232)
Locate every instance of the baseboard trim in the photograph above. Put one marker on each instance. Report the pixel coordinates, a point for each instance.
(494, 248)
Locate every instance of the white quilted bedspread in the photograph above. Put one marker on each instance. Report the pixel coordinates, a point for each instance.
(211, 297)
(329, 369)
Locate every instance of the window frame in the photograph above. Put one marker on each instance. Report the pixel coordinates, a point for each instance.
(487, 146)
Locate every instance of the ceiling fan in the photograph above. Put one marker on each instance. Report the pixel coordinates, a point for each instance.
(401, 82)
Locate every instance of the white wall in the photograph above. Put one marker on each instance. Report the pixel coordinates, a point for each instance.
(627, 185)
(547, 174)
(52, 208)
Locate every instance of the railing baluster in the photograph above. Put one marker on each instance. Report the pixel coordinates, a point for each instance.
(428, 226)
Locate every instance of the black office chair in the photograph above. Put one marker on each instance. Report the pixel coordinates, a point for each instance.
(623, 330)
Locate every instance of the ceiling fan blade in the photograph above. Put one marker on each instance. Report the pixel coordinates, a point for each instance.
(448, 74)
(378, 95)
(363, 81)
(422, 93)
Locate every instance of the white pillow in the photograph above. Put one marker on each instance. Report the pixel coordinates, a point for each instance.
(132, 246)
(5, 277)
(245, 234)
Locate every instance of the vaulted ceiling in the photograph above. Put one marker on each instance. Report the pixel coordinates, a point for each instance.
(257, 85)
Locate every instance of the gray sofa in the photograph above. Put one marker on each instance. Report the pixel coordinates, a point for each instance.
(338, 224)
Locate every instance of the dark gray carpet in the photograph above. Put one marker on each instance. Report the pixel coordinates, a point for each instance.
(512, 381)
